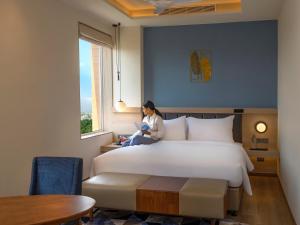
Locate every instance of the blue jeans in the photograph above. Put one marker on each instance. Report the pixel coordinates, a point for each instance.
(139, 140)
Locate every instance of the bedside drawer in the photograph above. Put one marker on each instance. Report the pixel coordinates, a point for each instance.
(262, 164)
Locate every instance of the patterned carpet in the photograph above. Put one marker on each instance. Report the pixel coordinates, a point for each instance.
(115, 217)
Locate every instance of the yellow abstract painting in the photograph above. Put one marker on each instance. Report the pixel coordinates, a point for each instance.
(200, 66)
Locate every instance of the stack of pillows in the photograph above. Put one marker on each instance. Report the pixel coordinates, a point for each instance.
(194, 129)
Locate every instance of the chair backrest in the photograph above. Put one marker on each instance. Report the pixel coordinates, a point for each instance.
(56, 175)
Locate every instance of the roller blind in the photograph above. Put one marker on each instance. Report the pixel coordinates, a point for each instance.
(94, 35)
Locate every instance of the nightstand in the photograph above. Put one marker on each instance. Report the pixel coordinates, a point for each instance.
(265, 162)
(110, 147)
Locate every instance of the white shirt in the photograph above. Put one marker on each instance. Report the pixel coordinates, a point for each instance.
(156, 125)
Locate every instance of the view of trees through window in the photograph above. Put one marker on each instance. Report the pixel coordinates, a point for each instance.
(91, 71)
(85, 57)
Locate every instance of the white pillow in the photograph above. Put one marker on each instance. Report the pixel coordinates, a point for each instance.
(175, 129)
(210, 129)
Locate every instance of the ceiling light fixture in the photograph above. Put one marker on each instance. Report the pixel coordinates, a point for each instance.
(162, 5)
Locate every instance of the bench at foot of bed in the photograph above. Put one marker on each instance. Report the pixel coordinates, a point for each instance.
(195, 197)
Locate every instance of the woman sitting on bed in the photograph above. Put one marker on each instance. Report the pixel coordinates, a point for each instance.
(151, 131)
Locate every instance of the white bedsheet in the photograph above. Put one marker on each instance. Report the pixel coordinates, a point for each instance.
(215, 160)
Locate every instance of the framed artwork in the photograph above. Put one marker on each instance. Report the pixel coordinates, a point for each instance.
(201, 66)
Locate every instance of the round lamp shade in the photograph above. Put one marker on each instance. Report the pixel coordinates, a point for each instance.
(120, 106)
(261, 127)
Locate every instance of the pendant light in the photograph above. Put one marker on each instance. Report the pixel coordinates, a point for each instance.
(121, 105)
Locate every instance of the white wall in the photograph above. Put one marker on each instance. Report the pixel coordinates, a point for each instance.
(288, 102)
(39, 88)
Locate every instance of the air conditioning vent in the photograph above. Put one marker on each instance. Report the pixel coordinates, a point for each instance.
(188, 10)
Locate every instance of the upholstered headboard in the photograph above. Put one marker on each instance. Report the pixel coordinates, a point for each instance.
(237, 123)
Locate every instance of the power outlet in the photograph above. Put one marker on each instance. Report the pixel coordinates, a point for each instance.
(262, 140)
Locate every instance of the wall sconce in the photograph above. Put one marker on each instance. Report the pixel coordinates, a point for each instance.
(261, 127)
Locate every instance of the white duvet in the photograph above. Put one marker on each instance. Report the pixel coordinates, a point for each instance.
(215, 160)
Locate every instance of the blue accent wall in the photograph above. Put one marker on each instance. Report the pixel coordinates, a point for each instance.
(244, 58)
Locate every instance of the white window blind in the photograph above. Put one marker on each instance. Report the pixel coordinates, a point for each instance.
(93, 35)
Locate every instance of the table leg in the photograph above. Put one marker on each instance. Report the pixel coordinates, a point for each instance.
(214, 222)
(91, 214)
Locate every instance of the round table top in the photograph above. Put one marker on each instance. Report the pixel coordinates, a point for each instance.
(43, 209)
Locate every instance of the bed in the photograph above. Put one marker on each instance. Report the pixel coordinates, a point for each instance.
(215, 160)
(185, 158)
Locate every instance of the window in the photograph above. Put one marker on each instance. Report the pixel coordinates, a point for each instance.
(95, 58)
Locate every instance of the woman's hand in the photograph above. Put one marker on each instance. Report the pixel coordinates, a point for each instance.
(146, 132)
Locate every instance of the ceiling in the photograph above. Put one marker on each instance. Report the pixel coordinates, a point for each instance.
(152, 8)
(252, 10)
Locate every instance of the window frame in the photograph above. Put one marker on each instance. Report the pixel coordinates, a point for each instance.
(102, 45)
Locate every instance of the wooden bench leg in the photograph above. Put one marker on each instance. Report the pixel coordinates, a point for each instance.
(232, 212)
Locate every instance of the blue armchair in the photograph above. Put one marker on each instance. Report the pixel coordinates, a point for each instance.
(56, 175)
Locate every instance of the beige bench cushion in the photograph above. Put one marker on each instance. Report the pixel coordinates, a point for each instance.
(203, 198)
(114, 190)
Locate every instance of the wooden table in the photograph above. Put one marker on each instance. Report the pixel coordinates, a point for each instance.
(160, 195)
(43, 209)
(110, 147)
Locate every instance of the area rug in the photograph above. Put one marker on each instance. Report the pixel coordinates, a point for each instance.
(117, 217)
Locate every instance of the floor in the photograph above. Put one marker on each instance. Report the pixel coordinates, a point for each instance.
(267, 206)
(118, 217)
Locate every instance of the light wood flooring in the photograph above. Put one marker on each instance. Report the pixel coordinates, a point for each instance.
(267, 206)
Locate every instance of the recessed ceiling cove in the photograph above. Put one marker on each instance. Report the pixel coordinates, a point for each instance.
(154, 8)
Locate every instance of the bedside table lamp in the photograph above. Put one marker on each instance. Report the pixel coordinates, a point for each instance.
(121, 106)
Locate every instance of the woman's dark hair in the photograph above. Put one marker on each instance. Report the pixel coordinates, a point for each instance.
(151, 106)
